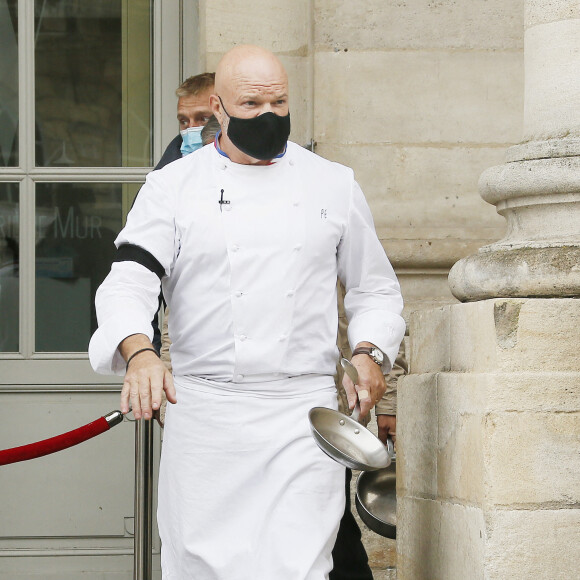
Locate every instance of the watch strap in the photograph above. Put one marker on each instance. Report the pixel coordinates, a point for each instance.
(365, 350)
(362, 350)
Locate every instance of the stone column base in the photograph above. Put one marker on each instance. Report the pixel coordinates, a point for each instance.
(540, 199)
(520, 272)
(488, 449)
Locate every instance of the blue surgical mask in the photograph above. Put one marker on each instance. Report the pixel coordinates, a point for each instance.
(191, 140)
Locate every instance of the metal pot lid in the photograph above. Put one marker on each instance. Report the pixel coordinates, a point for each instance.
(376, 500)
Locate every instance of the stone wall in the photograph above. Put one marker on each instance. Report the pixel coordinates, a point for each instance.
(419, 97)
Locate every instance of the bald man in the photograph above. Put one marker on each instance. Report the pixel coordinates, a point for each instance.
(248, 238)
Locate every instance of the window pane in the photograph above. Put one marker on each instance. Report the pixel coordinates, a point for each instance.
(8, 83)
(9, 242)
(93, 89)
(76, 227)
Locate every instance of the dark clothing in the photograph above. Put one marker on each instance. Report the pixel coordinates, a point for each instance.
(349, 555)
(171, 153)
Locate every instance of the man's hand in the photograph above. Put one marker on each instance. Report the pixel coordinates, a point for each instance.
(145, 380)
(371, 383)
(387, 425)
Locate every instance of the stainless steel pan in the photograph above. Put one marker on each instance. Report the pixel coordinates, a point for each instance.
(344, 439)
(376, 500)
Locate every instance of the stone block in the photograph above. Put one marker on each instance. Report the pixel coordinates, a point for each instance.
(376, 24)
(523, 544)
(548, 391)
(416, 89)
(417, 436)
(533, 459)
(439, 541)
(472, 337)
(505, 335)
(543, 333)
(429, 336)
(282, 27)
(461, 401)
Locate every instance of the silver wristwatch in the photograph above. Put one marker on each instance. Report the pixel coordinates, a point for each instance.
(375, 353)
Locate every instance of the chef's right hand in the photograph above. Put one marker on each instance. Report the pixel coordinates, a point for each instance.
(145, 380)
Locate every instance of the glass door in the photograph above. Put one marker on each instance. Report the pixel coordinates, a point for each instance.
(75, 144)
(82, 86)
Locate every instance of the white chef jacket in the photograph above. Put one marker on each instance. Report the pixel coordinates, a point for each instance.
(251, 282)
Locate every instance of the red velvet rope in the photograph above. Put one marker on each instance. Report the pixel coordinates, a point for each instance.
(54, 444)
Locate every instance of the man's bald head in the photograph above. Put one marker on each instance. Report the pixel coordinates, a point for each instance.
(250, 81)
(248, 64)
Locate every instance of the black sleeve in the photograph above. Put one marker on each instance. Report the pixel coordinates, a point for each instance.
(132, 253)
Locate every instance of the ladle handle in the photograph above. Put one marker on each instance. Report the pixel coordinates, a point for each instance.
(356, 412)
(390, 448)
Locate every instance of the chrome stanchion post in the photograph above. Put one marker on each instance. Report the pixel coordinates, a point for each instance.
(143, 559)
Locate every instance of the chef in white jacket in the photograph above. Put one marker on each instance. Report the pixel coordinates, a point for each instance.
(247, 237)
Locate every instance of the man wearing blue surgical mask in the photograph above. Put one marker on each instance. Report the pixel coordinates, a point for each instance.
(193, 112)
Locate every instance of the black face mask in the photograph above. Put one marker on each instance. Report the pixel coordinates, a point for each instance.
(262, 137)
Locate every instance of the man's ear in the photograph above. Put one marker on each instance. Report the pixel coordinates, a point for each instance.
(216, 109)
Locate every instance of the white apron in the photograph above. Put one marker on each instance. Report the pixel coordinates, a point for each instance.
(244, 491)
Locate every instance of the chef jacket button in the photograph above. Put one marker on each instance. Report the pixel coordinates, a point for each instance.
(239, 294)
(291, 162)
(298, 247)
(296, 203)
(235, 248)
(290, 293)
(223, 167)
(239, 378)
(227, 207)
(243, 337)
(283, 337)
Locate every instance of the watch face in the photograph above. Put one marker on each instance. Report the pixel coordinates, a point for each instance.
(377, 354)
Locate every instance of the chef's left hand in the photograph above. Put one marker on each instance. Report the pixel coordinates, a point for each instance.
(371, 384)
(387, 427)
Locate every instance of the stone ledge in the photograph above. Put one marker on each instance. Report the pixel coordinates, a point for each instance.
(530, 178)
(550, 149)
(539, 272)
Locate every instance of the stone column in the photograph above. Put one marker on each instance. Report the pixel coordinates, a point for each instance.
(488, 462)
(538, 189)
